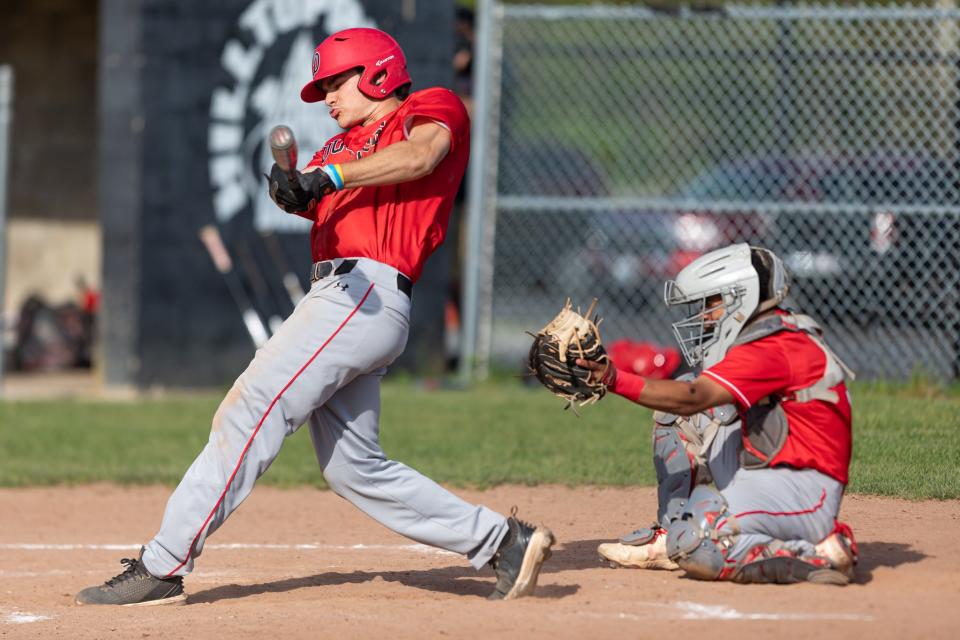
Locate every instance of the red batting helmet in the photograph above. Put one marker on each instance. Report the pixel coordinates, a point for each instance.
(373, 50)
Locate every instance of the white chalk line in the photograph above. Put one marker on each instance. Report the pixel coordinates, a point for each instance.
(22, 617)
(683, 610)
(698, 611)
(196, 575)
(412, 548)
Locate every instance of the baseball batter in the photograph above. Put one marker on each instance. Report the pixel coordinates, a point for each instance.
(769, 423)
(379, 196)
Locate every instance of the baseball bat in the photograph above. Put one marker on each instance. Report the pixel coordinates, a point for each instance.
(211, 239)
(263, 294)
(290, 280)
(283, 146)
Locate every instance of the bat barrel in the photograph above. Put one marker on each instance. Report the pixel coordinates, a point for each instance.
(283, 146)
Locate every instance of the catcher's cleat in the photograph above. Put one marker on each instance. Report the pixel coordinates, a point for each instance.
(840, 549)
(518, 560)
(772, 564)
(135, 587)
(648, 555)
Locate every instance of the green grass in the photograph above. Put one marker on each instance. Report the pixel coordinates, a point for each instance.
(905, 440)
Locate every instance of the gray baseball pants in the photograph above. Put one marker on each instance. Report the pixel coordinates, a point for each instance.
(322, 367)
(796, 506)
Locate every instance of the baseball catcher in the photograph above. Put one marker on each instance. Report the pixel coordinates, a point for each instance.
(557, 347)
(752, 454)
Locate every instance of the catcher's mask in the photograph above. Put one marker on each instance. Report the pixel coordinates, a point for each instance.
(724, 290)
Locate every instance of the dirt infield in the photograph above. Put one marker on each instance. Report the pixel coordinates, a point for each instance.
(303, 563)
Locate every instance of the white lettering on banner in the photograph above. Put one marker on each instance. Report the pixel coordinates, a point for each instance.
(343, 14)
(243, 112)
(288, 14)
(241, 63)
(256, 19)
(228, 105)
(224, 137)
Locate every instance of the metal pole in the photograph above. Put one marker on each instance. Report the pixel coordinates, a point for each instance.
(950, 88)
(6, 111)
(476, 202)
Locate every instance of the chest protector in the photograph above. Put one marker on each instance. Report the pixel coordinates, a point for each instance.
(765, 426)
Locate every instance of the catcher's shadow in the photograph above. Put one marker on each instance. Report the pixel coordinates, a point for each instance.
(884, 554)
(462, 581)
(579, 555)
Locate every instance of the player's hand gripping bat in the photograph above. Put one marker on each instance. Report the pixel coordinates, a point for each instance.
(283, 146)
(293, 191)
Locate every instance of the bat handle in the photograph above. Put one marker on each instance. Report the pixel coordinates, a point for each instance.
(293, 180)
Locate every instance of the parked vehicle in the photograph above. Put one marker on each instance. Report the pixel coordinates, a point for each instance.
(867, 239)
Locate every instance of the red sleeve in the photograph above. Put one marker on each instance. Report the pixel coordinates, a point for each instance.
(316, 161)
(441, 106)
(752, 371)
(329, 147)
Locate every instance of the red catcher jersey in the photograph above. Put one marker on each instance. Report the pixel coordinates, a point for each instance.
(398, 224)
(820, 432)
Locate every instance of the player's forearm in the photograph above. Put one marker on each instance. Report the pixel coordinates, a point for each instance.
(400, 162)
(671, 396)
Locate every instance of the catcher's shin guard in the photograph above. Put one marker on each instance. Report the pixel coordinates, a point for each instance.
(681, 448)
(702, 538)
(675, 467)
(677, 472)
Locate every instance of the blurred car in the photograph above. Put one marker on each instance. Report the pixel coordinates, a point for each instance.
(871, 239)
(529, 239)
(856, 233)
(628, 254)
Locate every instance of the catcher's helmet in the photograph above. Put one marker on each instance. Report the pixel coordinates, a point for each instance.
(734, 274)
(376, 53)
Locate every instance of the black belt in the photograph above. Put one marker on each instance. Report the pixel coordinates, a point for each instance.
(325, 268)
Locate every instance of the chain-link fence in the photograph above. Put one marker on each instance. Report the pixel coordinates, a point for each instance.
(622, 143)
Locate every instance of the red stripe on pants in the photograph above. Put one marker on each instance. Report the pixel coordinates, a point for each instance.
(260, 424)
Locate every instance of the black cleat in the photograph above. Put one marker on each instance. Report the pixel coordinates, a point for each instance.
(518, 560)
(135, 587)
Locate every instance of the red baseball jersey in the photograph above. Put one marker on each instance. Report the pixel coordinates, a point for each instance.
(398, 224)
(820, 432)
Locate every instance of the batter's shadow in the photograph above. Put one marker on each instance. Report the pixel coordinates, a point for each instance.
(575, 555)
(462, 581)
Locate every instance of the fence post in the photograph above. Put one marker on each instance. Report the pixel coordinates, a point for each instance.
(6, 115)
(481, 197)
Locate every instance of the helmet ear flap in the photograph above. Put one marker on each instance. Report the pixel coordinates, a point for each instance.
(774, 280)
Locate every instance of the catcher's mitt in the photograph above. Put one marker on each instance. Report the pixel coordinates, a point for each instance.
(555, 350)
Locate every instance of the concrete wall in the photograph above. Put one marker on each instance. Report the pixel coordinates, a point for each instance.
(48, 257)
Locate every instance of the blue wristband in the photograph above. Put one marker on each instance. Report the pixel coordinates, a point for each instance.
(336, 176)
